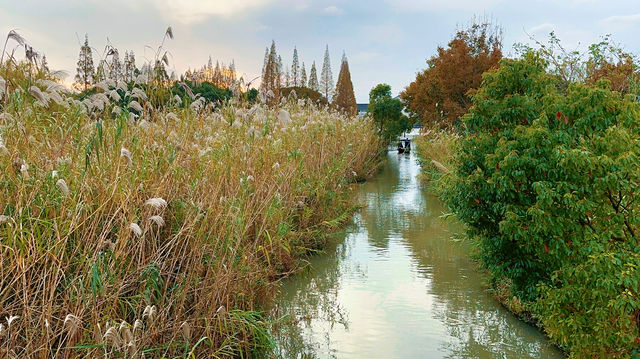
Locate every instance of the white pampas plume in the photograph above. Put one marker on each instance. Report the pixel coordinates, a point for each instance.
(122, 86)
(135, 228)
(137, 325)
(157, 203)
(176, 98)
(39, 95)
(11, 319)
(135, 105)
(115, 96)
(111, 335)
(172, 116)
(150, 312)
(62, 186)
(103, 85)
(126, 154)
(132, 116)
(72, 323)
(186, 330)
(24, 170)
(125, 332)
(157, 220)
(54, 174)
(284, 118)
(138, 93)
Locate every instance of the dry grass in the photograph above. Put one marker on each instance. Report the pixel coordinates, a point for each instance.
(157, 232)
(437, 150)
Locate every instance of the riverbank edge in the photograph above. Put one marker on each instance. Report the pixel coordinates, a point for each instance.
(436, 154)
(348, 209)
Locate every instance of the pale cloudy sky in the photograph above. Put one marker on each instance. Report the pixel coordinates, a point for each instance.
(385, 40)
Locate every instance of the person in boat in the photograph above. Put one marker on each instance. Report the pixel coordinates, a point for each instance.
(407, 145)
(400, 147)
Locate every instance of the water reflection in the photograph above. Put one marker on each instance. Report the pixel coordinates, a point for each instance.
(398, 286)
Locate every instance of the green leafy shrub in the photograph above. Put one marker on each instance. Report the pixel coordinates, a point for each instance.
(547, 183)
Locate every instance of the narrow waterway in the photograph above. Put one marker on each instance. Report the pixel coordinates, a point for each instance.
(398, 284)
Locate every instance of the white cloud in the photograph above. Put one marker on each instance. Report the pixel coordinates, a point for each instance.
(620, 21)
(194, 11)
(434, 5)
(333, 10)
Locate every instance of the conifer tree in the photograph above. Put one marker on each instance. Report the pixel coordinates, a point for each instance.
(313, 78)
(115, 70)
(295, 69)
(101, 72)
(130, 68)
(264, 65)
(287, 78)
(282, 76)
(85, 70)
(344, 98)
(217, 75)
(303, 76)
(270, 86)
(326, 77)
(44, 66)
(209, 70)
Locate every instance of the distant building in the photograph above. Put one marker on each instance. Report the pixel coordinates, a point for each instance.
(362, 108)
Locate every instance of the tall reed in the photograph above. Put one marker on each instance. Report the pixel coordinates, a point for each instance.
(127, 230)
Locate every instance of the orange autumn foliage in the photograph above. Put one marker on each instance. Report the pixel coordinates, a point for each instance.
(440, 94)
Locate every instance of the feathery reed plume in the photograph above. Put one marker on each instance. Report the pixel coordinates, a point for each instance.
(11, 319)
(276, 166)
(157, 203)
(138, 93)
(176, 98)
(284, 118)
(135, 105)
(125, 332)
(187, 89)
(157, 220)
(62, 186)
(115, 96)
(135, 228)
(137, 325)
(72, 323)
(4, 219)
(125, 153)
(13, 35)
(24, 170)
(111, 336)
(149, 312)
(39, 95)
(186, 330)
(169, 32)
(103, 85)
(441, 167)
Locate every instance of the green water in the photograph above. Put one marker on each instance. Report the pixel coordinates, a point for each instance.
(398, 285)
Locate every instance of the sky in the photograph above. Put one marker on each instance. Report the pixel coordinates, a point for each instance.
(385, 41)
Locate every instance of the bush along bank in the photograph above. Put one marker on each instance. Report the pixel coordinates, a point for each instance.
(128, 230)
(546, 180)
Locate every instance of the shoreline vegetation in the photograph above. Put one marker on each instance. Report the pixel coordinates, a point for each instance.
(132, 229)
(543, 174)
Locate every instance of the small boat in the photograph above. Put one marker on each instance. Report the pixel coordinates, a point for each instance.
(400, 147)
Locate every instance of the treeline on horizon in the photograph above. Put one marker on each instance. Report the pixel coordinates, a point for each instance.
(215, 83)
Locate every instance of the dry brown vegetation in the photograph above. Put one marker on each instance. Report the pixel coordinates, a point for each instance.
(131, 231)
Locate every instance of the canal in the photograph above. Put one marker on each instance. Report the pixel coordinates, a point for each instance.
(398, 283)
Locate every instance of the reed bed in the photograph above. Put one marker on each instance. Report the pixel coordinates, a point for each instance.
(129, 230)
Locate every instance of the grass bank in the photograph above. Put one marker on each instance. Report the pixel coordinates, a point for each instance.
(133, 230)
